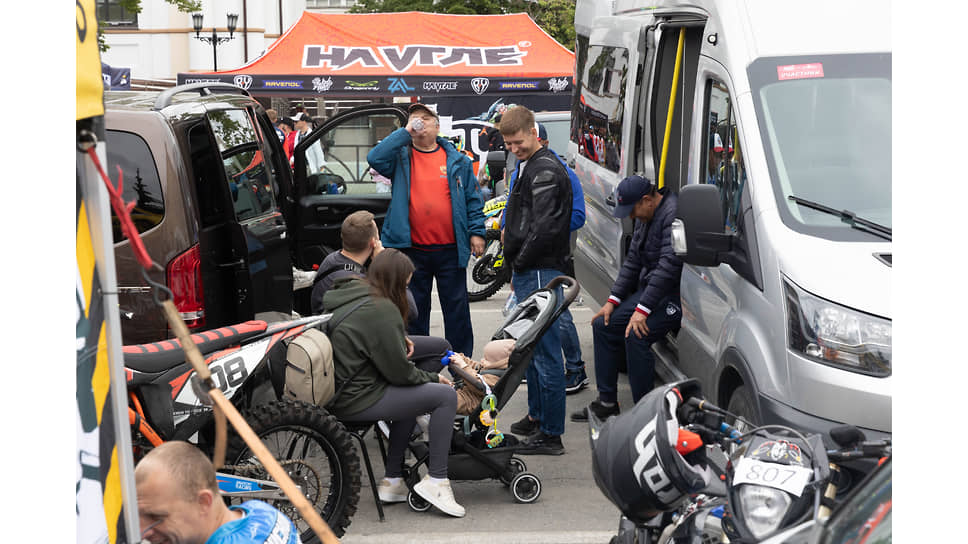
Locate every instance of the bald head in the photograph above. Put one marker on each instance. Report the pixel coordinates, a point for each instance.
(187, 467)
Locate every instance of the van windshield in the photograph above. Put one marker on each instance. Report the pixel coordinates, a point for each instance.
(826, 128)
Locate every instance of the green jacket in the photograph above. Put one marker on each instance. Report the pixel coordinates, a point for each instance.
(372, 337)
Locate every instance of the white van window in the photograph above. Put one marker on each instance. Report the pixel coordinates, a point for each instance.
(724, 155)
(826, 128)
(603, 71)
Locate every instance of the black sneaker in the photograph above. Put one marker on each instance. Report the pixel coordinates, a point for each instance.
(524, 426)
(575, 381)
(541, 444)
(601, 412)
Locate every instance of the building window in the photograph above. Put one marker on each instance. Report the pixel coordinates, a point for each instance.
(330, 3)
(111, 13)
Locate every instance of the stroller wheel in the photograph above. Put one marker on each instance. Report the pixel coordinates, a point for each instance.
(526, 487)
(515, 466)
(417, 503)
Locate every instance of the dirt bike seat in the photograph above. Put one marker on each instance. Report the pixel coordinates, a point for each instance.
(160, 356)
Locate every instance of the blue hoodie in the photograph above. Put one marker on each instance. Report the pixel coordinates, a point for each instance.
(391, 158)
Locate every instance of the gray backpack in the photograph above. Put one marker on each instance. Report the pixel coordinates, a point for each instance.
(310, 367)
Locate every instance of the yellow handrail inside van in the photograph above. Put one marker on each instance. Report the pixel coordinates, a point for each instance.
(672, 107)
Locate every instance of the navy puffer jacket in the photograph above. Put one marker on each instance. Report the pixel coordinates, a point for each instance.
(650, 262)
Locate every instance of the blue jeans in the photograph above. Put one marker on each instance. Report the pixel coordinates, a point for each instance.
(570, 345)
(611, 346)
(441, 264)
(546, 373)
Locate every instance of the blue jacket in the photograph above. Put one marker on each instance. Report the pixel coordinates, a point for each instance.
(391, 158)
(651, 263)
(577, 197)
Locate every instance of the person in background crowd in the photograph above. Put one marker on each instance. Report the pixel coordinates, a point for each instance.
(179, 501)
(315, 160)
(435, 216)
(644, 303)
(288, 126)
(274, 119)
(538, 213)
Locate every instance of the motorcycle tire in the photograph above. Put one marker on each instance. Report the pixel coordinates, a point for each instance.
(477, 291)
(297, 431)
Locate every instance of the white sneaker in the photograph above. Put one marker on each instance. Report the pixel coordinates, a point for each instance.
(392, 493)
(439, 495)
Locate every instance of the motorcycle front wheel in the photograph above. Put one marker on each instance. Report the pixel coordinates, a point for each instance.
(483, 279)
(317, 453)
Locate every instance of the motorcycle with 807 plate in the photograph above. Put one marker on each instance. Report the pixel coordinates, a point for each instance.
(487, 274)
(663, 464)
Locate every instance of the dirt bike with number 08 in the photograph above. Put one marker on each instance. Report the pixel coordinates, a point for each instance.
(487, 273)
(247, 362)
(673, 447)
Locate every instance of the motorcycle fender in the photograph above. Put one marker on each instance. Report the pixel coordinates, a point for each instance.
(690, 530)
(157, 403)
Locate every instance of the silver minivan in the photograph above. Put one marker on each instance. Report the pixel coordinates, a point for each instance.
(772, 120)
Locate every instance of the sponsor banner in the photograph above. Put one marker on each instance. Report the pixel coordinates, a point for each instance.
(342, 86)
(116, 79)
(403, 58)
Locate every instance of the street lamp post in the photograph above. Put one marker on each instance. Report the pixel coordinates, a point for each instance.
(214, 39)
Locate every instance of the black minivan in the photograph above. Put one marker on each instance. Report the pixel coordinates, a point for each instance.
(219, 208)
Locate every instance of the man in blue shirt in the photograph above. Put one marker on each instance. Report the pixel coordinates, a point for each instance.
(576, 378)
(179, 501)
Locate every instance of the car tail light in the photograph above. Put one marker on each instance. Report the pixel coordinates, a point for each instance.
(185, 281)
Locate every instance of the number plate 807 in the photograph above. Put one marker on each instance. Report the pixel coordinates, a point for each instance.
(788, 478)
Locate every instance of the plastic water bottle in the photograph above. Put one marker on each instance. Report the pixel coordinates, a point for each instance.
(510, 304)
(417, 124)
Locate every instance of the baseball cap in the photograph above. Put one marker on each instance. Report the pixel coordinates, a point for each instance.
(304, 117)
(418, 106)
(287, 121)
(629, 191)
(542, 133)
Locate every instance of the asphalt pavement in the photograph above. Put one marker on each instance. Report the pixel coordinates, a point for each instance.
(570, 509)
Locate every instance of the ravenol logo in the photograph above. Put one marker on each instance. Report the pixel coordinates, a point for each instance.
(397, 84)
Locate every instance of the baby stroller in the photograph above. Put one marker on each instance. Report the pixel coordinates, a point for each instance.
(470, 456)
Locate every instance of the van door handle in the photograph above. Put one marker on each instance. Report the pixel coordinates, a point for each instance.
(610, 200)
(571, 162)
(234, 264)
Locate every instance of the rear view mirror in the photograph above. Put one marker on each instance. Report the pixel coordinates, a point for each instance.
(697, 233)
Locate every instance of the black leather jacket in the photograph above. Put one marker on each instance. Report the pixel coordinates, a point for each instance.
(538, 215)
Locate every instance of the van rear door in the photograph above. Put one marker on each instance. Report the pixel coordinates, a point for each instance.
(610, 62)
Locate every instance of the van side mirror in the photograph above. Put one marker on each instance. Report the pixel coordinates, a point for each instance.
(698, 237)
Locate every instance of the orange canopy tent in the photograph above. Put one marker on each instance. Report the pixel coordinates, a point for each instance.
(405, 54)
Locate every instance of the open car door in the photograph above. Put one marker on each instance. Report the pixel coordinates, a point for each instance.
(332, 180)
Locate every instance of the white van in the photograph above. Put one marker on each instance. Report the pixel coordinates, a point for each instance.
(779, 145)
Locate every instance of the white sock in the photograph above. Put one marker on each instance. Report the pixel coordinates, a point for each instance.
(394, 481)
(438, 480)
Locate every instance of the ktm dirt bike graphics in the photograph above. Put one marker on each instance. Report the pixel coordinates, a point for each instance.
(247, 362)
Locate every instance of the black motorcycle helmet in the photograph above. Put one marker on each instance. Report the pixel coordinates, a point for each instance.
(634, 458)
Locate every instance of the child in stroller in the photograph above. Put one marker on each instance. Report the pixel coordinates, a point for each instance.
(478, 450)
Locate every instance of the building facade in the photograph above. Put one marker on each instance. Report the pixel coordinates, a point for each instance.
(159, 42)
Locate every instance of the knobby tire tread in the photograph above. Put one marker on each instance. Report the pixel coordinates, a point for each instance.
(287, 413)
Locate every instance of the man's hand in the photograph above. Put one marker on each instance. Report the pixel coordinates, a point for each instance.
(444, 380)
(409, 347)
(605, 312)
(502, 237)
(637, 325)
(477, 245)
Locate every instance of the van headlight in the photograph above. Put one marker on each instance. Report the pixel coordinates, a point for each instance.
(837, 335)
(763, 508)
